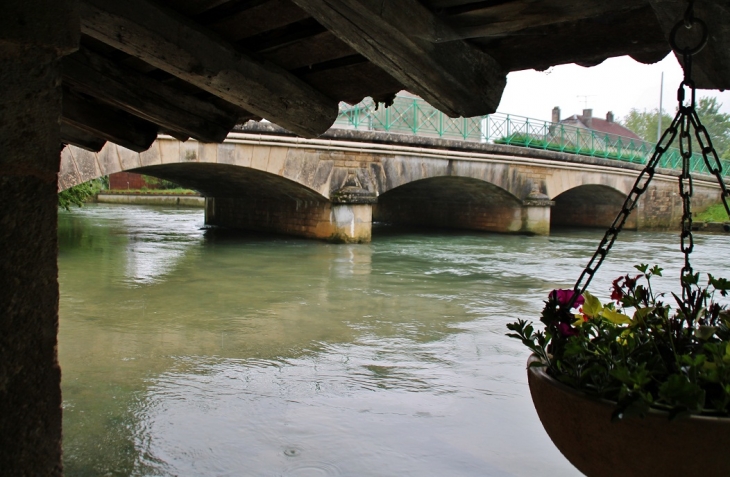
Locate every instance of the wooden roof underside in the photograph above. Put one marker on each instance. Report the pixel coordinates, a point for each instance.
(195, 68)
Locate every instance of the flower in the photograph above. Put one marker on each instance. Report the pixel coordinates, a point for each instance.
(564, 296)
(566, 330)
(637, 350)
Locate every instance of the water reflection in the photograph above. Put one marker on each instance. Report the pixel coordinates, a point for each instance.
(251, 355)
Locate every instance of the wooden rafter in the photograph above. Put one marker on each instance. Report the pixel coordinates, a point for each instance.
(78, 137)
(455, 77)
(178, 46)
(130, 91)
(103, 122)
(485, 19)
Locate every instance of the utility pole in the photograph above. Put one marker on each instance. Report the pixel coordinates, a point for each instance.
(659, 122)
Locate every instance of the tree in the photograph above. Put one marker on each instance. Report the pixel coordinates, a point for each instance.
(644, 124)
(79, 194)
(717, 124)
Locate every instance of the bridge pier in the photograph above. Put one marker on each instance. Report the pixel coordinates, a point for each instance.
(536, 214)
(345, 219)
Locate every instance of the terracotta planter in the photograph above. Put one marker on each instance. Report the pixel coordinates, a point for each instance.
(581, 428)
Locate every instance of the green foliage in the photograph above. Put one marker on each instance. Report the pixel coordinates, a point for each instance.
(81, 193)
(644, 124)
(157, 183)
(714, 213)
(717, 124)
(638, 350)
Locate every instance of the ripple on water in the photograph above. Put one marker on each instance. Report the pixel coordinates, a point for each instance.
(185, 355)
(312, 469)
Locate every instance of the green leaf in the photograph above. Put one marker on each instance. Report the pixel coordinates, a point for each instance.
(704, 333)
(678, 390)
(719, 283)
(641, 313)
(615, 317)
(591, 306)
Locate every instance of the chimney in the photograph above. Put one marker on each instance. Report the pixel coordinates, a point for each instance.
(609, 116)
(556, 114)
(588, 118)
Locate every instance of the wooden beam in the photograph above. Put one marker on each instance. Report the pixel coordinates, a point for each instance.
(483, 19)
(635, 33)
(178, 112)
(70, 134)
(455, 77)
(175, 44)
(711, 66)
(104, 122)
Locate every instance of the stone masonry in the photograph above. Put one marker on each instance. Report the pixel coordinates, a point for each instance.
(332, 188)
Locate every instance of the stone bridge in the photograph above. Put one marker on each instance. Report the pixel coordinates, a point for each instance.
(335, 186)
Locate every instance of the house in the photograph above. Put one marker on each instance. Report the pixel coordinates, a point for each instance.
(608, 127)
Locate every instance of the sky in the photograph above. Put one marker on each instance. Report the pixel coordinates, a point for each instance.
(617, 84)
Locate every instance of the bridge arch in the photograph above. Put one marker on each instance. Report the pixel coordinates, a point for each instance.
(451, 201)
(398, 170)
(227, 180)
(589, 205)
(210, 168)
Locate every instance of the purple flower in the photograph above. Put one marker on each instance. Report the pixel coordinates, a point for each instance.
(564, 296)
(566, 330)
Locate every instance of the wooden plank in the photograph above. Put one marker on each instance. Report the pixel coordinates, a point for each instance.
(176, 45)
(371, 81)
(455, 77)
(257, 19)
(180, 113)
(483, 19)
(635, 33)
(70, 134)
(711, 66)
(106, 123)
(309, 51)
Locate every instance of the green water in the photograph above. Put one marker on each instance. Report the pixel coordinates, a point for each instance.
(186, 353)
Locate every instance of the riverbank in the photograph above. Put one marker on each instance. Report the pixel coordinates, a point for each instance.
(151, 198)
(712, 227)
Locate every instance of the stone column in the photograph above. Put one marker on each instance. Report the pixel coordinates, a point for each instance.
(352, 215)
(34, 34)
(536, 214)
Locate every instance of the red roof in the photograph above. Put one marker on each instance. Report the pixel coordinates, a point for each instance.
(601, 125)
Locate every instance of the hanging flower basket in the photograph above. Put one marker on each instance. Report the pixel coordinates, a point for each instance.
(580, 426)
(640, 386)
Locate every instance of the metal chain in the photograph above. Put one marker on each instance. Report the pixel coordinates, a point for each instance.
(640, 186)
(685, 121)
(685, 191)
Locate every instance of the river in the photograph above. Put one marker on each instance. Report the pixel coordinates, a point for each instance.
(186, 352)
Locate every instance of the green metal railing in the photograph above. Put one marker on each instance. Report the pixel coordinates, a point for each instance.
(416, 117)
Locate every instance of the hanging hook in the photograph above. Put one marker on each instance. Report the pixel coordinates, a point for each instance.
(689, 50)
(689, 15)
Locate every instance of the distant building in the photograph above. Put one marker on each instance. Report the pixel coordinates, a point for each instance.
(586, 121)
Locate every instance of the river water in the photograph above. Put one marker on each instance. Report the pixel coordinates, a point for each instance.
(187, 353)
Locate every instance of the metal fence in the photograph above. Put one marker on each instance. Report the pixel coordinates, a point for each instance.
(416, 117)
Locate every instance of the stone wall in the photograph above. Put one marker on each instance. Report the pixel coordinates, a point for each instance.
(661, 206)
(311, 219)
(470, 216)
(34, 35)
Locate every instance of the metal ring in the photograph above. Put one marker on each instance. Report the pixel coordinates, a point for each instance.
(696, 49)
